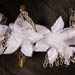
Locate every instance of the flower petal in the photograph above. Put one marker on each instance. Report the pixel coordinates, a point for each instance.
(14, 41)
(19, 22)
(13, 44)
(3, 29)
(41, 46)
(52, 55)
(27, 26)
(69, 36)
(34, 36)
(59, 24)
(1, 38)
(42, 29)
(26, 48)
(68, 53)
(23, 24)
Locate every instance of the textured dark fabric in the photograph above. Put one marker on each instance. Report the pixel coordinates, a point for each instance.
(43, 12)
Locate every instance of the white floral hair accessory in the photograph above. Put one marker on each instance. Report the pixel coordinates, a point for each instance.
(22, 34)
(58, 42)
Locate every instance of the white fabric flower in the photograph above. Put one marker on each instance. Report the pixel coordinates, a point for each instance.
(59, 41)
(23, 35)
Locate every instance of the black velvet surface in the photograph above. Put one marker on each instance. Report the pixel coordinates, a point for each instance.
(44, 12)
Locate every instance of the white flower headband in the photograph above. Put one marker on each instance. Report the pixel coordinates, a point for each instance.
(57, 42)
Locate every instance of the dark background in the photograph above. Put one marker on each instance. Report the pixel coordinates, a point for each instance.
(43, 12)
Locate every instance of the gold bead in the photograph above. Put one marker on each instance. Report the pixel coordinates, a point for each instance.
(21, 63)
(22, 7)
